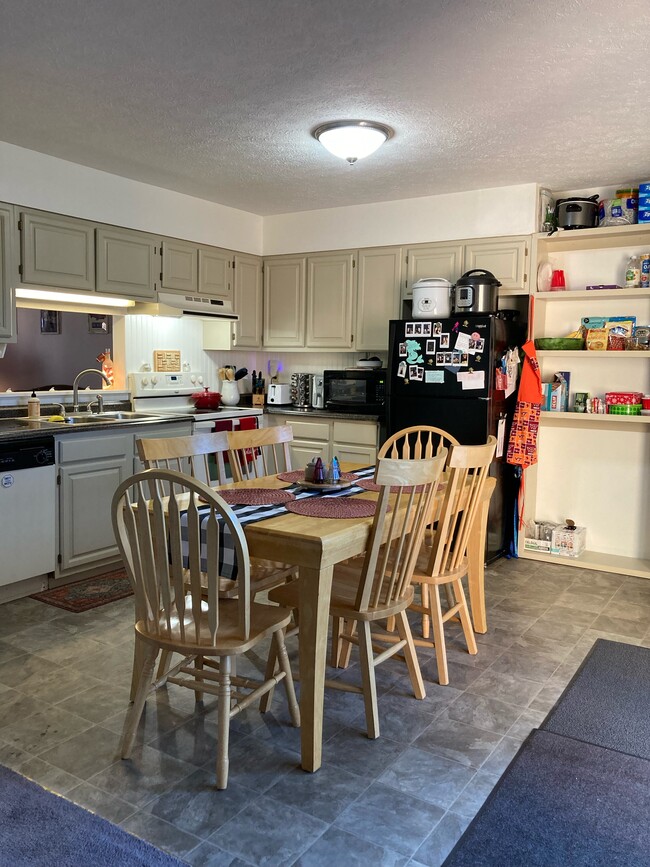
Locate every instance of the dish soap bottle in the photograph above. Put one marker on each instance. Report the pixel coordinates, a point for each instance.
(33, 406)
(633, 273)
(107, 367)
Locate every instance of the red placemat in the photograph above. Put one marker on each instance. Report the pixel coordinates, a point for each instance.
(333, 507)
(255, 496)
(299, 475)
(369, 485)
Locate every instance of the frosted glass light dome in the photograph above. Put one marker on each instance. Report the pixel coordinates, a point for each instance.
(352, 140)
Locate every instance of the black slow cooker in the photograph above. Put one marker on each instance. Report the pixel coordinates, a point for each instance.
(578, 212)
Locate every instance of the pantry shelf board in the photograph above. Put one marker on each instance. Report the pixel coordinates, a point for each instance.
(593, 419)
(592, 355)
(593, 295)
(508, 291)
(603, 236)
(596, 560)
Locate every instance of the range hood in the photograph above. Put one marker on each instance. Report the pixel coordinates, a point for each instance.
(172, 304)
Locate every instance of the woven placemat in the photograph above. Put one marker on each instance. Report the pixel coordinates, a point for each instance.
(299, 475)
(333, 507)
(369, 485)
(255, 496)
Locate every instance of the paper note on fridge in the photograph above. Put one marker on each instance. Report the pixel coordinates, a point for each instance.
(462, 342)
(473, 380)
(434, 376)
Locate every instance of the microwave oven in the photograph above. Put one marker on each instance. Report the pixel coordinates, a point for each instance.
(355, 390)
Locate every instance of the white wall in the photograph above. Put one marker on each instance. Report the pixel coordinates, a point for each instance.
(476, 214)
(40, 181)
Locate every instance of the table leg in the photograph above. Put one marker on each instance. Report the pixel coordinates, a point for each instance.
(476, 560)
(315, 592)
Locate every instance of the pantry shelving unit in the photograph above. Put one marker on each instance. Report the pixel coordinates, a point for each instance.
(592, 468)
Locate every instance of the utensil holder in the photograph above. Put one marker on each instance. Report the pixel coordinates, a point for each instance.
(229, 393)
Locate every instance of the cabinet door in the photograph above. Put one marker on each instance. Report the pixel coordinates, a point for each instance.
(85, 530)
(248, 302)
(378, 294)
(284, 301)
(126, 263)
(180, 267)
(215, 273)
(330, 292)
(302, 451)
(7, 306)
(437, 260)
(366, 455)
(57, 251)
(506, 259)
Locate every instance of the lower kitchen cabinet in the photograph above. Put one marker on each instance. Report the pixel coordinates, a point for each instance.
(90, 466)
(323, 438)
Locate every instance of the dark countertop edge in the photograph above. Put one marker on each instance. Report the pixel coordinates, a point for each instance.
(63, 428)
(287, 409)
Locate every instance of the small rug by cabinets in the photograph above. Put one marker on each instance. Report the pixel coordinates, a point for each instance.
(88, 593)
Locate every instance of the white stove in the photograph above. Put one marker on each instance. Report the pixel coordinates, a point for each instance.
(170, 394)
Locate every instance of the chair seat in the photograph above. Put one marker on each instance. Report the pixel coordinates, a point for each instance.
(264, 620)
(345, 585)
(420, 575)
(269, 573)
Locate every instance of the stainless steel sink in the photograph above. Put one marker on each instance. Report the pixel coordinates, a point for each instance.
(125, 415)
(79, 418)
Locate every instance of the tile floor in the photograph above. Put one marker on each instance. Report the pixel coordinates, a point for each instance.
(402, 799)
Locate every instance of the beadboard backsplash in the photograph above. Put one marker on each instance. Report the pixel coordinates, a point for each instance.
(141, 335)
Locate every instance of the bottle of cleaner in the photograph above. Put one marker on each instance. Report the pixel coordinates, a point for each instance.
(633, 272)
(33, 406)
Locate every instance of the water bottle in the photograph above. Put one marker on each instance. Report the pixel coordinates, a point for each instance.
(633, 273)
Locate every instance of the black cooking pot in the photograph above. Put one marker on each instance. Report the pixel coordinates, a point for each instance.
(578, 212)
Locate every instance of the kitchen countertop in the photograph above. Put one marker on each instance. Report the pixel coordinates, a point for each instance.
(289, 409)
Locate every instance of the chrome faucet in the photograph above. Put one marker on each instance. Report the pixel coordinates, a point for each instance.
(99, 400)
(75, 385)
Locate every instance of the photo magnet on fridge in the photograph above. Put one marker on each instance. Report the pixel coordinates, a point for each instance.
(437, 328)
(416, 373)
(401, 369)
(440, 358)
(402, 350)
(426, 329)
(431, 347)
(444, 341)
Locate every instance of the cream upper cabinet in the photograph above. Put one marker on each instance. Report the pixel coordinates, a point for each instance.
(506, 258)
(215, 273)
(330, 293)
(7, 277)
(57, 251)
(378, 295)
(434, 260)
(180, 266)
(127, 263)
(284, 301)
(248, 302)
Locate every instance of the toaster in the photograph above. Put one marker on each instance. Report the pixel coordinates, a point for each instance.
(279, 393)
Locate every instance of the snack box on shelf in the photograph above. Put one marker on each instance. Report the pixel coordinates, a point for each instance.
(568, 541)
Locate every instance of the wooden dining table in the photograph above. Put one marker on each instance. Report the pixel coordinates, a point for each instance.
(315, 546)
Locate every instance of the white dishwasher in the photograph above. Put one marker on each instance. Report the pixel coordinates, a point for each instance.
(27, 509)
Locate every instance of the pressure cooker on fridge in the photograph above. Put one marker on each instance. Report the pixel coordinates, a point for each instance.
(477, 291)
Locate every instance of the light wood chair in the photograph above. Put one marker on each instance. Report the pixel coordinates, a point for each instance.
(371, 588)
(419, 441)
(169, 547)
(443, 562)
(195, 454)
(413, 443)
(255, 453)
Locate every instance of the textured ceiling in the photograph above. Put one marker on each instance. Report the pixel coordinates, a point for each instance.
(216, 98)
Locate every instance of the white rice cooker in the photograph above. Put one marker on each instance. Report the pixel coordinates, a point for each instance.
(431, 298)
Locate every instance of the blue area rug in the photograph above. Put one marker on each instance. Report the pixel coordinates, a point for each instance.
(562, 803)
(40, 829)
(608, 700)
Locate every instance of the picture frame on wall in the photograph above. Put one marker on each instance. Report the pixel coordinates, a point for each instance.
(50, 322)
(99, 323)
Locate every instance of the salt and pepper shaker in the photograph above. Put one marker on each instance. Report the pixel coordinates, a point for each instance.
(319, 472)
(309, 470)
(335, 470)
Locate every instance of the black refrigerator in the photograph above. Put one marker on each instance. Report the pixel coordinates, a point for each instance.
(443, 373)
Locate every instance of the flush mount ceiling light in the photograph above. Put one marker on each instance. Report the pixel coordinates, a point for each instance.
(352, 140)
